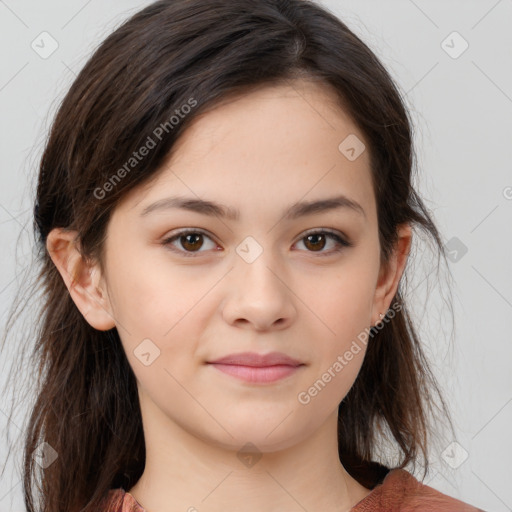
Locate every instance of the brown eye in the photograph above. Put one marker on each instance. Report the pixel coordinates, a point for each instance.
(315, 242)
(191, 241)
(188, 242)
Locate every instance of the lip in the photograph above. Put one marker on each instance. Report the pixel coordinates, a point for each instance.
(257, 368)
(257, 360)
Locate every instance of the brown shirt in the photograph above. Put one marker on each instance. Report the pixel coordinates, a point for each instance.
(398, 492)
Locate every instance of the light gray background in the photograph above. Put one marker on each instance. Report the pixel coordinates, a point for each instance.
(462, 109)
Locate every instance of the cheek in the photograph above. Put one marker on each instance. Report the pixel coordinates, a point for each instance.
(332, 378)
(344, 308)
(144, 307)
(168, 308)
(148, 297)
(342, 303)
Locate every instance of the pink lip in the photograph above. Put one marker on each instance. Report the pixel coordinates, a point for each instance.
(253, 367)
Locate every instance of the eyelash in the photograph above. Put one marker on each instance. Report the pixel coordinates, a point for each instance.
(342, 243)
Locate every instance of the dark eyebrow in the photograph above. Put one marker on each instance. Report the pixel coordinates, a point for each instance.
(211, 208)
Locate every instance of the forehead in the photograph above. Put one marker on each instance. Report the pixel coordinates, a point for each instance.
(275, 115)
(278, 143)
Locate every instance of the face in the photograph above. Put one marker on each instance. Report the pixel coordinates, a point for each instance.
(189, 285)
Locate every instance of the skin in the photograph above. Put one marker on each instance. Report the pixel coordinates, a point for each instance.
(259, 153)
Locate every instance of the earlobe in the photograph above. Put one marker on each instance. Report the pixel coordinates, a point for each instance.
(390, 274)
(82, 278)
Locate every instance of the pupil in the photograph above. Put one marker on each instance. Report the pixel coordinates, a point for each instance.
(187, 244)
(318, 241)
(315, 244)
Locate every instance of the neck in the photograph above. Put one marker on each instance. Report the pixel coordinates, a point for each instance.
(183, 472)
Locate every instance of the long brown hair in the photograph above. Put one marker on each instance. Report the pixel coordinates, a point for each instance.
(133, 89)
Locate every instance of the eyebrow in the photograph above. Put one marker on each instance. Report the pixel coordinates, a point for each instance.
(212, 208)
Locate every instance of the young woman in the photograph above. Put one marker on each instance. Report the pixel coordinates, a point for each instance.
(224, 215)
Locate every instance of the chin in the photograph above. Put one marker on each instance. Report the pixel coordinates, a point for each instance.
(265, 437)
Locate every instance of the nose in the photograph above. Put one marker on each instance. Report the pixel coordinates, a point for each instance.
(258, 295)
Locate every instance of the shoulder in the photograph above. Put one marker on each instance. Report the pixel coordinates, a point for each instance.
(118, 500)
(401, 491)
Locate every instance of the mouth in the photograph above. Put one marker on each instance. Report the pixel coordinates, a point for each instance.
(258, 368)
(257, 374)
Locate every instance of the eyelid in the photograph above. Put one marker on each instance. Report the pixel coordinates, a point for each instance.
(183, 232)
(330, 231)
(341, 239)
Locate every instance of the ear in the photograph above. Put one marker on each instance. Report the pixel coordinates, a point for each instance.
(391, 272)
(83, 278)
